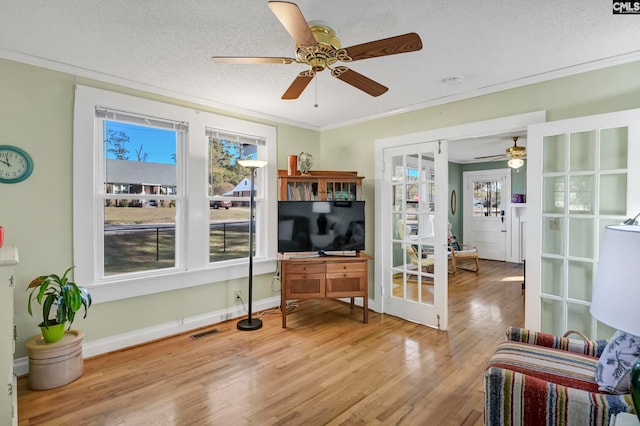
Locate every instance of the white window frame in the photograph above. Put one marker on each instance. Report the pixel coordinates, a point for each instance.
(194, 267)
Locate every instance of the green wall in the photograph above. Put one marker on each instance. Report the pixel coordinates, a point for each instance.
(36, 113)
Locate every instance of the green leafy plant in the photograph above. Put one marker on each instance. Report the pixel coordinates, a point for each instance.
(67, 296)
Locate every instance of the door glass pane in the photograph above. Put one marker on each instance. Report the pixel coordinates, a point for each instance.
(398, 197)
(581, 238)
(487, 198)
(552, 276)
(613, 194)
(552, 321)
(613, 148)
(581, 277)
(553, 235)
(581, 193)
(578, 317)
(553, 194)
(582, 151)
(553, 154)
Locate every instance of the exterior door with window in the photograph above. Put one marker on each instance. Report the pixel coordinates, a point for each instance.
(485, 211)
(415, 263)
(582, 177)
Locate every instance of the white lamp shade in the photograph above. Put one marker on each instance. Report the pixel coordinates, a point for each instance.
(321, 207)
(616, 292)
(255, 164)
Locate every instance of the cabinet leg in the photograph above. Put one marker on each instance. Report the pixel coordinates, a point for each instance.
(283, 308)
(365, 306)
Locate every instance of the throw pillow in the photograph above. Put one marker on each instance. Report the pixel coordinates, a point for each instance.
(618, 358)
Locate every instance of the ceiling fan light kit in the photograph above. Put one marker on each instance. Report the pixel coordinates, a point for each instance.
(318, 47)
(515, 163)
(514, 153)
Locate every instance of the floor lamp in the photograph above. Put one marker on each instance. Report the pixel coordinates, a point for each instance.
(251, 323)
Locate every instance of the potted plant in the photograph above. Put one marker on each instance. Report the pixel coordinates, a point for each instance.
(67, 297)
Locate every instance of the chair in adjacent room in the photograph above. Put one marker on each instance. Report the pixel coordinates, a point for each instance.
(462, 252)
(423, 261)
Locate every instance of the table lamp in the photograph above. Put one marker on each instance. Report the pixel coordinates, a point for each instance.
(251, 323)
(322, 207)
(616, 292)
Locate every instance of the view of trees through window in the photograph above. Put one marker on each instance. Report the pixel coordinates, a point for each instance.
(228, 181)
(142, 195)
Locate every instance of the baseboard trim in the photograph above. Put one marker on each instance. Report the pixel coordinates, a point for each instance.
(149, 334)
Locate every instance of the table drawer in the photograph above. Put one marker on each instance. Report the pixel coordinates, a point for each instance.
(341, 267)
(306, 268)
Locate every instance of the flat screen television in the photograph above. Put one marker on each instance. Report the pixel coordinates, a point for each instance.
(315, 226)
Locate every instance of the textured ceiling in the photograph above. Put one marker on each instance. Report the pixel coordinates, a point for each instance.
(165, 46)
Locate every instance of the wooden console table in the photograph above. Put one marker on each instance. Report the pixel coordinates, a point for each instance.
(306, 277)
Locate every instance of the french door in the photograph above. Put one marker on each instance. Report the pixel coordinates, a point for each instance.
(582, 176)
(415, 186)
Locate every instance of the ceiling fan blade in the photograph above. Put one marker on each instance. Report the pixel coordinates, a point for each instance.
(250, 60)
(388, 46)
(292, 19)
(359, 81)
(299, 84)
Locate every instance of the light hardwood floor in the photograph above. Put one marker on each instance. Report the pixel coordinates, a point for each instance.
(326, 368)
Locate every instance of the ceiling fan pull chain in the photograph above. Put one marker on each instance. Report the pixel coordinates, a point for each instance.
(316, 104)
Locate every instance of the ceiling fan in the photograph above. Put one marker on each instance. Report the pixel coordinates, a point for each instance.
(318, 46)
(514, 153)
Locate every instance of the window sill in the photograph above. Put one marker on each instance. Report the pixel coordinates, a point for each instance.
(175, 280)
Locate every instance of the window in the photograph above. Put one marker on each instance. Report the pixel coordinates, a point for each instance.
(139, 234)
(157, 194)
(229, 186)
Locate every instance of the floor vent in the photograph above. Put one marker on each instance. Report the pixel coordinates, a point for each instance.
(204, 334)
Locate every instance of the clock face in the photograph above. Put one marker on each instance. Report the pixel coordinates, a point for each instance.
(15, 164)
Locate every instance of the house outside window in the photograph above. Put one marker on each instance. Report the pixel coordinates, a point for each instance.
(146, 175)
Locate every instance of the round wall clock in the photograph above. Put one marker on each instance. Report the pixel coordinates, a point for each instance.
(15, 164)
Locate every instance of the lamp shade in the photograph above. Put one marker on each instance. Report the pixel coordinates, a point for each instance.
(616, 292)
(255, 164)
(321, 207)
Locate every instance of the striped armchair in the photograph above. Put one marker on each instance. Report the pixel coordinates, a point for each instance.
(539, 379)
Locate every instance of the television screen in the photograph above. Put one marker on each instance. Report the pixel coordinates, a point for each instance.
(305, 226)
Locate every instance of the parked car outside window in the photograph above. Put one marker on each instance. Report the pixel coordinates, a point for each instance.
(218, 204)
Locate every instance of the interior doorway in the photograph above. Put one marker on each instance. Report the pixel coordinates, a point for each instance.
(384, 231)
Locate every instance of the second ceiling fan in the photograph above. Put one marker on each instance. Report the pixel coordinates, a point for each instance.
(514, 153)
(318, 47)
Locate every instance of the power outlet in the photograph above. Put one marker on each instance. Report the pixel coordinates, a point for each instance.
(237, 296)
